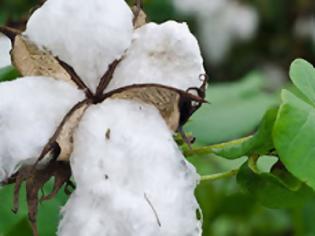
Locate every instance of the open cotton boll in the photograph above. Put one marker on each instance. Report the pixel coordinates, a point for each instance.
(166, 54)
(221, 23)
(305, 27)
(222, 28)
(88, 35)
(204, 7)
(5, 47)
(131, 177)
(216, 37)
(31, 108)
(243, 27)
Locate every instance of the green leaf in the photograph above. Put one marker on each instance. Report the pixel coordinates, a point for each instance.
(235, 110)
(260, 143)
(48, 214)
(302, 74)
(294, 135)
(22, 228)
(8, 73)
(271, 191)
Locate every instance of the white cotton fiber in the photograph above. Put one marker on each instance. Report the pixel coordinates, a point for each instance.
(31, 108)
(165, 54)
(88, 35)
(5, 47)
(131, 177)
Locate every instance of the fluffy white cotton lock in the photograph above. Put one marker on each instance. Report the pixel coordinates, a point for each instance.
(131, 177)
(5, 47)
(166, 54)
(31, 109)
(88, 35)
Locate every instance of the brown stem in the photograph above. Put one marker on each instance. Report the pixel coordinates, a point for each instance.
(11, 33)
(76, 79)
(20, 178)
(137, 12)
(105, 80)
(180, 92)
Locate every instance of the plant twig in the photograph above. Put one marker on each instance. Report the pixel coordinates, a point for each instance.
(138, 5)
(252, 163)
(76, 79)
(153, 209)
(218, 176)
(11, 33)
(106, 78)
(206, 150)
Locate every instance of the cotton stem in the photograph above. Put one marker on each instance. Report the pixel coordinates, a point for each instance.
(206, 150)
(218, 176)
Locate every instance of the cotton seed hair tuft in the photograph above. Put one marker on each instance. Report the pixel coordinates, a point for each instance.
(137, 183)
(88, 35)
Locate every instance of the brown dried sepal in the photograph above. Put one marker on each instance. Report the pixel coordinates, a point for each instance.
(32, 61)
(56, 153)
(65, 136)
(140, 18)
(169, 101)
(188, 106)
(35, 178)
(60, 145)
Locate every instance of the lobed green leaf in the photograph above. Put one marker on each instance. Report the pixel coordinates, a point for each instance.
(302, 74)
(294, 135)
(260, 143)
(271, 191)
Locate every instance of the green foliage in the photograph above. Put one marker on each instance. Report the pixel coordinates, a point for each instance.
(17, 224)
(13, 11)
(260, 143)
(271, 190)
(302, 75)
(287, 133)
(235, 110)
(294, 131)
(8, 73)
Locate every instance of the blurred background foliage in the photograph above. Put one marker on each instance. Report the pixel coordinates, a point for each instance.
(248, 46)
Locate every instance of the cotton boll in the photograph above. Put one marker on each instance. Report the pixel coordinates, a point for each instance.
(203, 7)
(221, 24)
(165, 54)
(244, 20)
(131, 177)
(88, 35)
(5, 47)
(31, 108)
(225, 26)
(305, 28)
(216, 37)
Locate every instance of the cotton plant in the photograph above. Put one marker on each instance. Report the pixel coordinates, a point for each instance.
(221, 24)
(101, 95)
